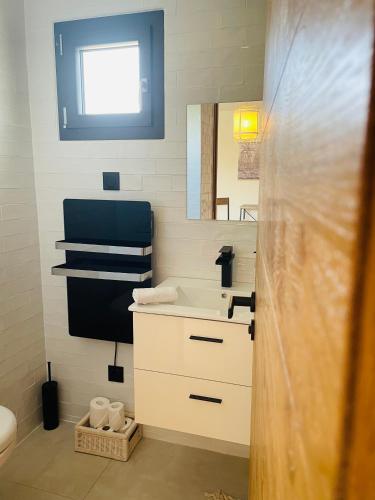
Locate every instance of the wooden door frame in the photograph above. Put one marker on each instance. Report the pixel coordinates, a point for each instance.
(357, 478)
(353, 464)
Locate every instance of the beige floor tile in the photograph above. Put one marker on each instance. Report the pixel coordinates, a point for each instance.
(13, 491)
(156, 471)
(207, 471)
(163, 471)
(31, 458)
(71, 474)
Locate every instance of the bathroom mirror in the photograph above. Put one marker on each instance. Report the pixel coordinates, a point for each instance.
(223, 160)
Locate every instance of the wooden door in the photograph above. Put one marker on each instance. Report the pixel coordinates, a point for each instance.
(310, 399)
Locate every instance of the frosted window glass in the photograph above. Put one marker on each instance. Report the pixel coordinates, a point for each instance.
(111, 80)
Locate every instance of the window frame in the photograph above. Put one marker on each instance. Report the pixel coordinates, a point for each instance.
(71, 37)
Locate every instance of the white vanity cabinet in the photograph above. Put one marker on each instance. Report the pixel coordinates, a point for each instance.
(193, 376)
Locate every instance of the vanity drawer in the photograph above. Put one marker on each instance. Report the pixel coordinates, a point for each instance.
(211, 350)
(179, 403)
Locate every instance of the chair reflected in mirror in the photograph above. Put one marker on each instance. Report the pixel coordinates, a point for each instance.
(222, 202)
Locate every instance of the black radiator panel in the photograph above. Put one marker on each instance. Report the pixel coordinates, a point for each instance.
(98, 300)
(98, 309)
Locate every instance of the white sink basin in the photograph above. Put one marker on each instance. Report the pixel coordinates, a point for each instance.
(204, 299)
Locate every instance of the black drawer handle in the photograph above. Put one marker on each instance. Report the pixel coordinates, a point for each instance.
(206, 339)
(205, 398)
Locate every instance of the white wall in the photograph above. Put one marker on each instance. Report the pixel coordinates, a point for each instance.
(239, 191)
(214, 52)
(22, 356)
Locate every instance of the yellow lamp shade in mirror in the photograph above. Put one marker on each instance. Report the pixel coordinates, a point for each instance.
(245, 125)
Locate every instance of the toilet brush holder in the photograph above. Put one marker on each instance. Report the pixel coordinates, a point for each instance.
(50, 403)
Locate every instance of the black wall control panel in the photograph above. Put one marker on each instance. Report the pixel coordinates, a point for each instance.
(111, 181)
(108, 253)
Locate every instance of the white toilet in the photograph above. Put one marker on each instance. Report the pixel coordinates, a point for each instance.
(8, 434)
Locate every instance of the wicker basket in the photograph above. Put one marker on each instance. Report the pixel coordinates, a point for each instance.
(115, 445)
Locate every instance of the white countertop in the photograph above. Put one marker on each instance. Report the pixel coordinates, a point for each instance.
(203, 299)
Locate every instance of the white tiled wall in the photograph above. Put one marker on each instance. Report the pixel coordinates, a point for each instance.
(214, 51)
(22, 353)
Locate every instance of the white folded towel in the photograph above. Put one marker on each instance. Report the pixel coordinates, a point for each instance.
(155, 295)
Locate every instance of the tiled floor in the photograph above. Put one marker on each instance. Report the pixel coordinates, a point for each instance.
(45, 467)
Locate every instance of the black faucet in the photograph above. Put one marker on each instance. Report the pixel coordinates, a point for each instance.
(241, 302)
(225, 261)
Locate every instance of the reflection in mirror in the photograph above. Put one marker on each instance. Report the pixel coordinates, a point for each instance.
(223, 160)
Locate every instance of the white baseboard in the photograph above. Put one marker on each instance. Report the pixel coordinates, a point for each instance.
(216, 445)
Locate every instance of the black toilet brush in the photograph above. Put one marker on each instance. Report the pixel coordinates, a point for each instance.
(50, 403)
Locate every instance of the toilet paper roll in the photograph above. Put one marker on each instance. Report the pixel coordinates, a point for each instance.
(116, 415)
(99, 412)
(128, 423)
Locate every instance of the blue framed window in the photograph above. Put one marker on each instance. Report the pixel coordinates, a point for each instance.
(110, 77)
